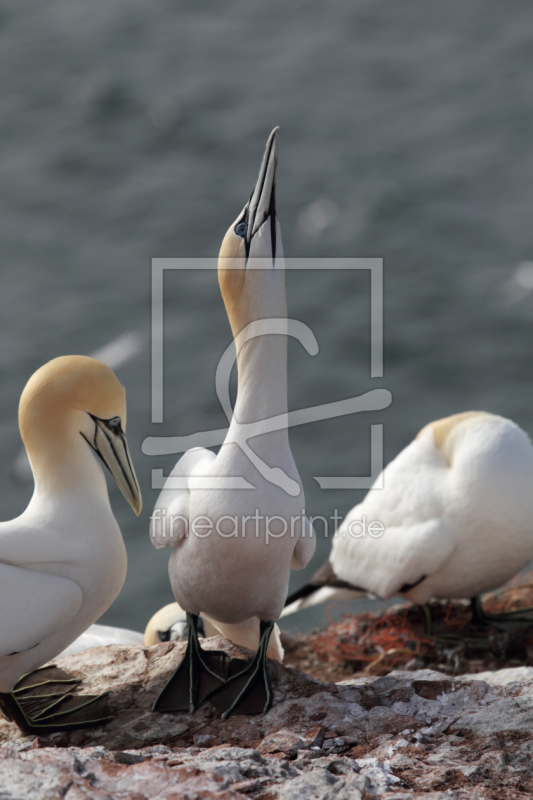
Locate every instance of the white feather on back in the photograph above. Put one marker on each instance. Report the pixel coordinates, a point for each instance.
(460, 513)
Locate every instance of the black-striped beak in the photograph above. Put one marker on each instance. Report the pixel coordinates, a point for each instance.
(111, 446)
(262, 203)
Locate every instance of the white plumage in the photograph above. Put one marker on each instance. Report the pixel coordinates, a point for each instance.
(63, 561)
(457, 514)
(237, 580)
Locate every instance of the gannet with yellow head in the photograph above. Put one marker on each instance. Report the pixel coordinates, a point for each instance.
(169, 624)
(456, 518)
(63, 561)
(237, 576)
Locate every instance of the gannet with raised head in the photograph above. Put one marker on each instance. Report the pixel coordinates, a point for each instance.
(63, 561)
(456, 509)
(237, 575)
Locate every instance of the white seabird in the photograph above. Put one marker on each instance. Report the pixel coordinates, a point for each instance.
(115, 354)
(169, 624)
(456, 511)
(63, 561)
(239, 579)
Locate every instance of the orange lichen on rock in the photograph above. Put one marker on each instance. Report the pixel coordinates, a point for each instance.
(372, 643)
(397, 638)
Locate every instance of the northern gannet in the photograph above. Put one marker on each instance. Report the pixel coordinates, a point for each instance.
(169, 624)
(238, 579)
(456, 516)
(115, 354)
(63, 561)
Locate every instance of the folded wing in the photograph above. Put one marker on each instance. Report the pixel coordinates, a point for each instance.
(34, 605)
(169, 522)
(395, 561)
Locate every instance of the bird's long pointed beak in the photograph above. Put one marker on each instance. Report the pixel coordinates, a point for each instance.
(110, 444)
(262, 203)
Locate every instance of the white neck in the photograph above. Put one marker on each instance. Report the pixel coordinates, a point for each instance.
(262, 360)
(73, 479)
(262, 378)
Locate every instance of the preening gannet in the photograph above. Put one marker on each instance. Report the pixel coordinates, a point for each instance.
(233, 548)
(169, 624)
(456, 516)
(63, 561)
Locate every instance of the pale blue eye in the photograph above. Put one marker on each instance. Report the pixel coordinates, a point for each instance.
(240, 229)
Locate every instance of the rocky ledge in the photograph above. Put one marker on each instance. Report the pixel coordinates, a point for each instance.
(404, 736)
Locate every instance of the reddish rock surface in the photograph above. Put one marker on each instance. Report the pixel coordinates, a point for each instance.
(404, 736)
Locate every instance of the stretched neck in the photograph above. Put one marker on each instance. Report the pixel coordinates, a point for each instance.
(258, 315)
(262, 377)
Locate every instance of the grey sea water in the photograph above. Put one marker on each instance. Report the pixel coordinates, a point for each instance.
(133, 130)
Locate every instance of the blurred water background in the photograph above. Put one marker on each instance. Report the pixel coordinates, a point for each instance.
(130, 130)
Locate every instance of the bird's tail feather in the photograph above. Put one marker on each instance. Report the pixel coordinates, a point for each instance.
(320, 594)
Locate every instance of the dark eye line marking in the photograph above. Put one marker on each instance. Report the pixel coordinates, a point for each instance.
(119, 462)
(117, 459)
(93, 447)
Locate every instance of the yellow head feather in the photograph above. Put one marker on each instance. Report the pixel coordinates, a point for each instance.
(65, 385)
(444, 430)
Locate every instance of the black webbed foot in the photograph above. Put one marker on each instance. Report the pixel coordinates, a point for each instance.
(199, 674)
(509, 621)
(247, 690)
(43, 701)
